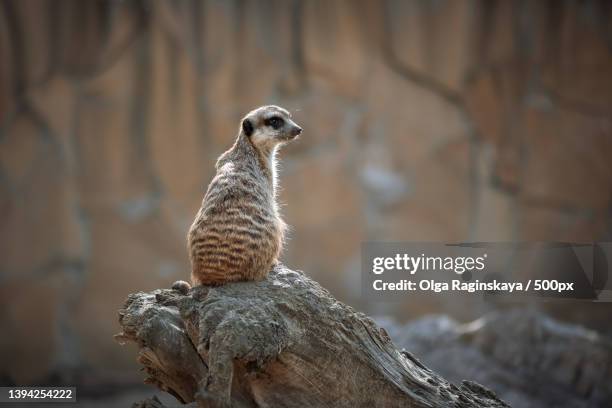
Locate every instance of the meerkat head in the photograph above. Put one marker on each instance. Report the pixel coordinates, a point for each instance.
(269, 126)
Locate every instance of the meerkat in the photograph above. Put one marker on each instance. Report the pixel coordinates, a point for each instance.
(238, 233)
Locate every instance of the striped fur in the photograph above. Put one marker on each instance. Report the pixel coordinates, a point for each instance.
(238, 232)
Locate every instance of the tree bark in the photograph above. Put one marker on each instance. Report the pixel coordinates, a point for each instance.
(281, 342)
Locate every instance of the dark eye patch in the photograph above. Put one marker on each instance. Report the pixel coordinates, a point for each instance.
(274, 122)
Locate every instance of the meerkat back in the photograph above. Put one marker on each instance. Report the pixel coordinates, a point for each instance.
(237, 233)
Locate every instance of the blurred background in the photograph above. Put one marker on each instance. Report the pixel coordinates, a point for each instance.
(423, 121)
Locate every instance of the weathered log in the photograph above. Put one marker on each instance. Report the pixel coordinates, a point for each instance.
(281, 342)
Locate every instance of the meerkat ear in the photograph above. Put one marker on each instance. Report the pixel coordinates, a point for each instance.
(247, 127)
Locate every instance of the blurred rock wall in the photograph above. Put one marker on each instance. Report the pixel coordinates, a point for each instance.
(424, 120)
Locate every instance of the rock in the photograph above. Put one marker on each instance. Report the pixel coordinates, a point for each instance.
(574, 54)
(38, 225)
(530, 359)
(565, 149)
(117, 267)
(33, 349)
(432, 38)
(8, 77)
(327, 28)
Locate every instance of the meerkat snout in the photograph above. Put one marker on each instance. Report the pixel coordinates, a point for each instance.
(296, 131)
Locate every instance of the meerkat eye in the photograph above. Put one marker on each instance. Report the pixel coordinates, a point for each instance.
(275, 122)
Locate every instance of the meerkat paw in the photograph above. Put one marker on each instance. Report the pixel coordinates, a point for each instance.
(181, 286)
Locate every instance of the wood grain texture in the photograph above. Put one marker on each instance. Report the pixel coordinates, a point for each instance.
(281, 342)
